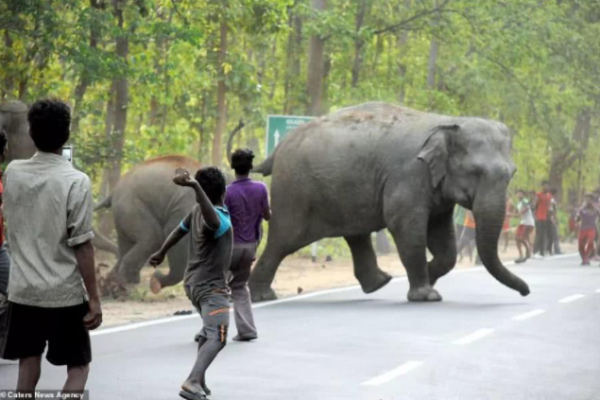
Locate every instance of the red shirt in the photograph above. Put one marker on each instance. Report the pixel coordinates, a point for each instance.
(543, 206)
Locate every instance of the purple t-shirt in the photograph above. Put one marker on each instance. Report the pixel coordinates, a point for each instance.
(246, 201)
(588, 218)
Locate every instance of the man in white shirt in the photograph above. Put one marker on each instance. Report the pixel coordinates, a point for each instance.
(525, 227)
(52, 293)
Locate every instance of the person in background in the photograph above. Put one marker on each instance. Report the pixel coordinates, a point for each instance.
(596, 256)
(542, 220)
(459, 223)
(211, 244)
(4, 258)
(468, 235)
(248, 204)
(506, 225)
(525, 227)
(573, 228)
(52, 292)
(588, 216)
(554, 244)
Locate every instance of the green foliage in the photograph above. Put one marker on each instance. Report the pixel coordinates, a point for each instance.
(534, 67)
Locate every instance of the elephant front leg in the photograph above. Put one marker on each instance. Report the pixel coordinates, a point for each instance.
(410, 235)
(367, 272)
(441, 242)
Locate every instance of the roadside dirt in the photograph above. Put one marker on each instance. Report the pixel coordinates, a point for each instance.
(296, 275)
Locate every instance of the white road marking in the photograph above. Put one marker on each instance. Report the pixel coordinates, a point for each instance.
(473, 336)
(572, 298)
(529, 314)
(393, 374)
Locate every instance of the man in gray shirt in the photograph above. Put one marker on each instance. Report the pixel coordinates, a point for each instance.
(52, 291)
(211, 242)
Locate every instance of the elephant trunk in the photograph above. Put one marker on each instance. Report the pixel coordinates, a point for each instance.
(489, 210)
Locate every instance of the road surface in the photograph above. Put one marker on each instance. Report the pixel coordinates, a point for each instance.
(483, 341)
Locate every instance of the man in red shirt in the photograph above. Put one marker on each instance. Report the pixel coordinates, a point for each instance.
(542, 220)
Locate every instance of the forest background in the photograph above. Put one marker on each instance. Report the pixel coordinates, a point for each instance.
(155, 77)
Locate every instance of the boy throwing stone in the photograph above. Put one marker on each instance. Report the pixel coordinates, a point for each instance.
(211, 244)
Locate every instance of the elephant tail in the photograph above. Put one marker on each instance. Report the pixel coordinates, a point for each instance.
(238, 128)
(105, 203)
(103, 243)
(266, 167)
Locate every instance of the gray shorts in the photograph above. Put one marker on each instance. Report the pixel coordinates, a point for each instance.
(214, 310)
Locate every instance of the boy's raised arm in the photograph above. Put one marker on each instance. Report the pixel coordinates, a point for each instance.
(209, 214)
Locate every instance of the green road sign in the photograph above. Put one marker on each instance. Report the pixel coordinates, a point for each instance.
(278, 126)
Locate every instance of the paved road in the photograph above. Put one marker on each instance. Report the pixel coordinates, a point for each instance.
(482, 342)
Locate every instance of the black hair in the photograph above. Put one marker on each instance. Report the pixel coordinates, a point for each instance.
(49, 124)
(212, 181)
(241, 161)
(545, 182)
(521, 191)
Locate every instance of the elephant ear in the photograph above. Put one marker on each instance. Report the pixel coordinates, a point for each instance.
(435, 153)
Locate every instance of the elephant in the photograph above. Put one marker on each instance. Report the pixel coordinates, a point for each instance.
(13, 119)
(378, 165)
(147, 206)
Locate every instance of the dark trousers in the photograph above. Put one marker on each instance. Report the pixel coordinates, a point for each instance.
(4, 269)
(554, 244)
(543, 236)
(239, 272)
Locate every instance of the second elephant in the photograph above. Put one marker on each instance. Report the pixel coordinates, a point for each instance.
(147, 206)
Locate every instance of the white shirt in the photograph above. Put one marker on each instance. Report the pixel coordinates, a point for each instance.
(527, 218)
(48, 210)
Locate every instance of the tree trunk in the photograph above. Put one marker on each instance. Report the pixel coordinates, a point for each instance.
(8, 80)
(217, 151)
(359, 41)
(402, 66)
(431, 66)
(294, 50)
(563, 157)
(121, 86)
(316, 66)
(105, 222)
(85, 78)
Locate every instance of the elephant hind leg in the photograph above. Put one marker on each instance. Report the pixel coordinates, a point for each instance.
(281, 242)
(366, 270)
(441, 242)
(178, 259)
(135, 259)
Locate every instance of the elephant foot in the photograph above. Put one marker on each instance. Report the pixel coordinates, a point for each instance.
(155, 285)
(262, 294)
(376, 282)
(422, 294)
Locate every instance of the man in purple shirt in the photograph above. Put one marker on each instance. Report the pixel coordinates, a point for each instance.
(248, 204)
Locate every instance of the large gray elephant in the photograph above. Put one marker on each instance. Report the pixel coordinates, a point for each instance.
(376, 166)
(13, 119)
(147, 206)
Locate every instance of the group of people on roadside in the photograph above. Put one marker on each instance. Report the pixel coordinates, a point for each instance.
(52, 297)
(538, 213)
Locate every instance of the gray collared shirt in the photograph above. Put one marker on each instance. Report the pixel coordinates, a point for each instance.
(48, 210)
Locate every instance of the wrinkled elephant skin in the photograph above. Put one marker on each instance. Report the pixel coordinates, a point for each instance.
(376, 166)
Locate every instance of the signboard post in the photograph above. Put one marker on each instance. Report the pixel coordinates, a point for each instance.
(278, 126)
